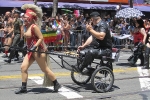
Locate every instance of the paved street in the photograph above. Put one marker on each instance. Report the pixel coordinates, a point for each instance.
(131, 83)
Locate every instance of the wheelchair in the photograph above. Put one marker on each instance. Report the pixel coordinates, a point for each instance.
(101, 74)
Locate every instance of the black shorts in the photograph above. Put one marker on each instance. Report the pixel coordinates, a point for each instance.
(8, 35)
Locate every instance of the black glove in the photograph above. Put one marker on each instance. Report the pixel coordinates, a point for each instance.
(33, 48)
(135, 49)
(12, 48)
(21, 40)
(24, 47)
(7, 35)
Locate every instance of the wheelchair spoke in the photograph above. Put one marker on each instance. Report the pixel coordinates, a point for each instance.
(103, 79)
(78, 78)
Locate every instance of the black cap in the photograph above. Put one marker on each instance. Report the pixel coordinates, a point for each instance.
(17, 11)
(94, 14)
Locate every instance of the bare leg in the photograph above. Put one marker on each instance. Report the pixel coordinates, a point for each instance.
(65, 42)
(24, 67)
(6, 48)
(24, 72)
(5, 41)
(9, 42)
(41, 60)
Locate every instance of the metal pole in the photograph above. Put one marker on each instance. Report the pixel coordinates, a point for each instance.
(131, 6)
(131, 3)
(55, 7)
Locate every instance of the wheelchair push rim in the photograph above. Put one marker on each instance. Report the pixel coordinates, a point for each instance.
(102, 79)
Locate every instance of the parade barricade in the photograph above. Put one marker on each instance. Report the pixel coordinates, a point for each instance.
(77, 37)
(1, 38)
(124, 40)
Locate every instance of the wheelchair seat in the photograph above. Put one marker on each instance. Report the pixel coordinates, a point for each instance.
(82, 52)
(114, 57)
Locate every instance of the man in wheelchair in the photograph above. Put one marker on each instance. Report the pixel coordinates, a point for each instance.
(97, 45)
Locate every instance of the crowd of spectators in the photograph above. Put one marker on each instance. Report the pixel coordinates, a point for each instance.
(70, 28)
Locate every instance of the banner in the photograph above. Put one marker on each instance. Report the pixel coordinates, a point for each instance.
(107, 1)
(80, 1)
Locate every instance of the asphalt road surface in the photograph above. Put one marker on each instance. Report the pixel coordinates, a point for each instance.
(131, 83)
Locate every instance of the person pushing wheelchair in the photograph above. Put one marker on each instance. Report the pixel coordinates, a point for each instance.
(97, 45)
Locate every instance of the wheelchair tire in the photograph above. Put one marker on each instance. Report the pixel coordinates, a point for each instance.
(77, 78)
(99, 82)
(109, 64)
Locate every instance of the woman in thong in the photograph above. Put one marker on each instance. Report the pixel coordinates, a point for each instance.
(34, 39)
(8, 37)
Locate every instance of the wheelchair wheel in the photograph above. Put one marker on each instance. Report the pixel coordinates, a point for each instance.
(109, 64)
(102, 79)
(79, 78)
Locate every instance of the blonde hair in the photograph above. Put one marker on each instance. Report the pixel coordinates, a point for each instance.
(38, 12)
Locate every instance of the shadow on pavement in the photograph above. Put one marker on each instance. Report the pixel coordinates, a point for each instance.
(124, 64)
(40, 90)
(87, 87)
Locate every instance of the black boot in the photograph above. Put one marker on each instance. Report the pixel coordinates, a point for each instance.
(8, 60)
(86, 70)
(16, 59)
(22, 89)
(4, 56)
(142, 62)
(57, 86)
(129, 59)
(145, 67)
(20, 61)
(142, 59)
(146, 59)
(133, 61)
(77, 68)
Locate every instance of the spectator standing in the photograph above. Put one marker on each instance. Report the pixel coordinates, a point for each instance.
(72, 34)
(18, 37)
(139, 35)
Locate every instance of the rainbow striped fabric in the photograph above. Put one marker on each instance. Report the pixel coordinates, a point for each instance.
(51, 36)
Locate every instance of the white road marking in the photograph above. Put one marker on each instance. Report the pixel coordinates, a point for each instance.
(63, 91)
(67, 93)
(144, 82)
(37, 79)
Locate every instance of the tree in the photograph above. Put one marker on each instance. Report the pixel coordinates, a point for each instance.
(55, 7)
(35, 2)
